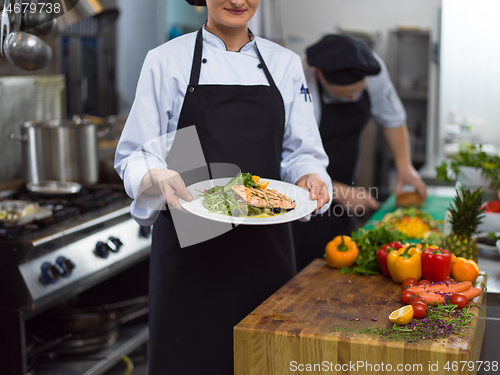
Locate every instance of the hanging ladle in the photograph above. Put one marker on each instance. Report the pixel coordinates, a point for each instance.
(37, 20)
(4, 27)
(25, 50)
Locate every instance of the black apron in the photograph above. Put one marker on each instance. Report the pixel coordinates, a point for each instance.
(199, 293)
(340, 128)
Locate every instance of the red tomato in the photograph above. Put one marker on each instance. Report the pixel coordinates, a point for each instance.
(449, 280)
(409, 282)
(406, 296)
(417, 298)
(424, 282)
(419, 311)
(418, 301)
(459, 299)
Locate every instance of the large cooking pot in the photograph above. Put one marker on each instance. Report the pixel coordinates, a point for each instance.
(61, 150)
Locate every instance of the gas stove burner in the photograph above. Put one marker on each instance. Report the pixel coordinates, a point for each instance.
(90, 201)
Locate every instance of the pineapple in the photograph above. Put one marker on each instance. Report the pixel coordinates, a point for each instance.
(465, 216)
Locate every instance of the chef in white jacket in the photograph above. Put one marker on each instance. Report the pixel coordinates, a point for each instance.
(349, 85)
(244, 98)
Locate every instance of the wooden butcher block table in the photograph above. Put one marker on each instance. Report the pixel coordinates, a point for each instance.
(313, 320)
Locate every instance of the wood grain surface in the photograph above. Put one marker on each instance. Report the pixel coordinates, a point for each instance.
(311, 323)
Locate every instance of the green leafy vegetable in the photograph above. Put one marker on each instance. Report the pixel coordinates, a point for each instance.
(223, 200)
(369, 241)
(491, 236)
(474, 157)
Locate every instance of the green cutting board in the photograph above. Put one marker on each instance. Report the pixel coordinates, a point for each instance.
(436, 206)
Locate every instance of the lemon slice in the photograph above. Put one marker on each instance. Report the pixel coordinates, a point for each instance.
(402, 316)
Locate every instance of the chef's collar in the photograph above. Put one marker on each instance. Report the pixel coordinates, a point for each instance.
(217, 42)
(328, 98)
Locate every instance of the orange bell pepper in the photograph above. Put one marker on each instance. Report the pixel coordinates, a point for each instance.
(260, 185)
(340, 252)
(463, 269)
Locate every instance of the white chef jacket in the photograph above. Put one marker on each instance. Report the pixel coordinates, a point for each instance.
(160, 95)
(385, 105)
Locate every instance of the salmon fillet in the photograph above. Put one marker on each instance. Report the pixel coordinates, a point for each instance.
(264, 198)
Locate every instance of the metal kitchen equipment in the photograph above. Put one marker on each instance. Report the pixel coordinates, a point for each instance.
(17, 213)
(39, 22)
(25, 50)
(89, 240)
(104, 14)
(26, 98)
(60, 150)
(4, 28)
(54, 187)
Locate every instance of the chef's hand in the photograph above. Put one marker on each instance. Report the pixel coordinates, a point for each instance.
(409, 175)
(318, 189)
(353, 198)
(170, 184)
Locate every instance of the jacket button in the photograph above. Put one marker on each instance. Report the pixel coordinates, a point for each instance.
(259, 66)
(204, 61)
(191, 89)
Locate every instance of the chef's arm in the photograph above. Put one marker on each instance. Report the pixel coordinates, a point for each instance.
(400, 147)
(353, 196)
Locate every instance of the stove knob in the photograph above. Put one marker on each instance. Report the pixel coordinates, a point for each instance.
(114, 244)
(102, 249)
(66, 265)
(51, 272)
(144, 231)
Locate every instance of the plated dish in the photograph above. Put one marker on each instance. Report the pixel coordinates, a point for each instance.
(287, 202)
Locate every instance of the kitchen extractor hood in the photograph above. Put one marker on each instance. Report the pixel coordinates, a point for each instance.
(77, 10)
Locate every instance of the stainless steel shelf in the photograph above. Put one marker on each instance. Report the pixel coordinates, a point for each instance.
(131, 337)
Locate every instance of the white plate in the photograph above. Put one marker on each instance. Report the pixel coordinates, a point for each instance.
(303, 204)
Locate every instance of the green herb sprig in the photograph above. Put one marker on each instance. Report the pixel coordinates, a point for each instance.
(441, 322)
(369, 241)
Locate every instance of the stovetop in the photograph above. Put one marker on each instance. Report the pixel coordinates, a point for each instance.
(89, 237)
(67, 210)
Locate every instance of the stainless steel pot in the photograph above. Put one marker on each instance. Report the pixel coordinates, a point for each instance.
(60, 150)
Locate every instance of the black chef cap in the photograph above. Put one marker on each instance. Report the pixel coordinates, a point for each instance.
(201, 3)
(342, 59)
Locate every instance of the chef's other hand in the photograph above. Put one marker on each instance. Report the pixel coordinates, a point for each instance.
(318, 189)
(353, 198)
(410, 176)
(171, 185)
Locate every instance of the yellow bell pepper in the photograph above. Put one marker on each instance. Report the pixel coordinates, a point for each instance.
(405, 263)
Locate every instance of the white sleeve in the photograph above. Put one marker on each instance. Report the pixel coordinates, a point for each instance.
(386, 107)
(303, 150)
(143, 143)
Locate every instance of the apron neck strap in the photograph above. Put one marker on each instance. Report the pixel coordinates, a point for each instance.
(198, 50)
(264, 66)
(196, 68)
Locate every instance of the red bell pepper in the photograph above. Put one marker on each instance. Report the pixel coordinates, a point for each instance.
(436, 264)
(382, 256)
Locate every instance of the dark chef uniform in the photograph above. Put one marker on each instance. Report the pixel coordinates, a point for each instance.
(225, 278)
(200, 292)
(343, 61)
